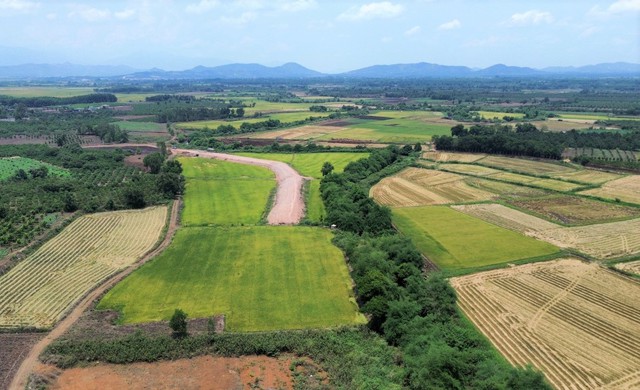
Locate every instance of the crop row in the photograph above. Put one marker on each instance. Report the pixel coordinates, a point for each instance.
(38, 290)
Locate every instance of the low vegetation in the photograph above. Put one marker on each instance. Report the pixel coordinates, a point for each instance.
(253, 275)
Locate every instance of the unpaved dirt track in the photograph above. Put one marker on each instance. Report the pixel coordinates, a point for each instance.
(288, 207)
(22, 375)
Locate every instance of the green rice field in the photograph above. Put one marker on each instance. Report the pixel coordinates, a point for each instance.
(219, 192)
(456, 241)
(260, 277)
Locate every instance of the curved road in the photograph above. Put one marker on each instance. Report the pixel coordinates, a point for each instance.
(288, 207)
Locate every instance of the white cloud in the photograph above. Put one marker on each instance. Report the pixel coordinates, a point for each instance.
(241, 19)
(589, 31)
(125, 14)
(451, 25)
(202, 6)
(18, 5)
(52, 16)
(531, 17)
(89, 14)
(297, 5)
(386, 39)
(383, 9)
(412, 31)
(624, 6)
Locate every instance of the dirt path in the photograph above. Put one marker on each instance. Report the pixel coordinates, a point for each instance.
(22, 375)
(288, 207)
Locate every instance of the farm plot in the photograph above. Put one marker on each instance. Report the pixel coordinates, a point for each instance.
(602, 241)
(393, 127)
(573, 210)
(495, 174)
(576, 322)
(455, 241)
(38, 291)
(10, 165)
(220, 192)
(423, 187)
(626, 189)
(528, 167)
(261, 278)
(305, 133)
(284, 117)
(631, 267)
(452, 156)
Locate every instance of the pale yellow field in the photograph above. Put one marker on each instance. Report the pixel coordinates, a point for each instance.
(529, 167)
(40, 289)
(632, 267)
(576, 322)
(452, 156)
(626, 189)
(423, 187)
(589, 176)
(482, 171)
(602, 241)
(308, 132)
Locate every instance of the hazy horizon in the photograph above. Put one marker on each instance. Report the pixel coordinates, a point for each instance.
(328, 36)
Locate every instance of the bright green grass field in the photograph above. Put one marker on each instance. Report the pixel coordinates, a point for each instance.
(220, 192)
(310, 165)
(45, 91)
(285, 117)
(401, 127)
(454, 240)
(9, 166)
(260, 277)
(141, 126)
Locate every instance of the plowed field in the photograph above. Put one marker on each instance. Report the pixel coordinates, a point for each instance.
(576, 322)
(38, 291)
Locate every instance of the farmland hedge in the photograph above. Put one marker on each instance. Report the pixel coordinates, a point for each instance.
(441, 349)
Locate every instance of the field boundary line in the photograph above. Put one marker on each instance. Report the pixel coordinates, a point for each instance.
(21, 377)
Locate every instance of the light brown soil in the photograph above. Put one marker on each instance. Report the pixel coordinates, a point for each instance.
(22, 374)
(288, 207)
(205, 372)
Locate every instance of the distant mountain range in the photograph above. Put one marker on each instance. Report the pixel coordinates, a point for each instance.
(296, 71)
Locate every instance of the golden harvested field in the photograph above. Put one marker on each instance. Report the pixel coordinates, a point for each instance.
(424, 187)
(576, 322)
(602, 241)
(481, 171)
(529, 167)
(506, 189)
(589, 176)
(626, 189)
(452, 156)
(40, 289)
(632, 267)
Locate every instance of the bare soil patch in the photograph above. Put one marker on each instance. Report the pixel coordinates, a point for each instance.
(204, 372)
(576, 322)
(15, 348)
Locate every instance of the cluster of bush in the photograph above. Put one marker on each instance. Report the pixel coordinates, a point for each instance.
(441, 349)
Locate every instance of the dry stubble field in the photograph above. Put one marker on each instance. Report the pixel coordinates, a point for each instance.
(38, 291)
(602, 241)
(576, 322)
(424, 187)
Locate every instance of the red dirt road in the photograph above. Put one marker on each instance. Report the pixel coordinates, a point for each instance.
(288, 207)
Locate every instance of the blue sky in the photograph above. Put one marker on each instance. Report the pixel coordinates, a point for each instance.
(328, 36)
